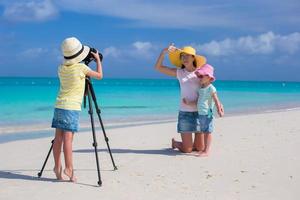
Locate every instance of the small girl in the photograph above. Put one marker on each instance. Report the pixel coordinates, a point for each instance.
(72, 75)
(206, 100)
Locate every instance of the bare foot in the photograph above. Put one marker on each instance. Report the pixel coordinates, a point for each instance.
(173, 143)
(202, 154)
(58, 173)
(197, 150)
(70, 173)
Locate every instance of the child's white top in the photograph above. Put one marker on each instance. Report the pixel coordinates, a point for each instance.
(205, 101)
(189, 86)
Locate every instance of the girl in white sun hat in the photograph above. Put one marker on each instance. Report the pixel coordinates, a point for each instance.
(72, 75)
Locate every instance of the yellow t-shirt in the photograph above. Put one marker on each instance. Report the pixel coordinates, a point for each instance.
(72, 84)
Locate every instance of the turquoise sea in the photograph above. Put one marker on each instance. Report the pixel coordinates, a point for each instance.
(29, 102)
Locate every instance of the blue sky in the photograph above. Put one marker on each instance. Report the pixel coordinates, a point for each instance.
(243, 40)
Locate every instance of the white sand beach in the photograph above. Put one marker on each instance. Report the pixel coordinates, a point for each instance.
(253, 157)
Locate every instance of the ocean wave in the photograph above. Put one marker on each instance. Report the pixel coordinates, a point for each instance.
(43, 108)
(124, 107)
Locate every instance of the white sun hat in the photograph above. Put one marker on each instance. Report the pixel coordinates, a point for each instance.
(73, 51)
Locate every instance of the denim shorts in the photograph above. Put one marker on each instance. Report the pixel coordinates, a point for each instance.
(188, 122)
(67, 120)
(206, 123)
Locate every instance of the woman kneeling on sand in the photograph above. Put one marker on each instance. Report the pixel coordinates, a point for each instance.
(187, 61)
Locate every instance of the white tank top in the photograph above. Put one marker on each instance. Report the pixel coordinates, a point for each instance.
(189, 86)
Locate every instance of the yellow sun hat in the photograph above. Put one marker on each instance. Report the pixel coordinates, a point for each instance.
(175, 56)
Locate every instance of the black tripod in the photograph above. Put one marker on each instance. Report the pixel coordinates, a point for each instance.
(89, 92)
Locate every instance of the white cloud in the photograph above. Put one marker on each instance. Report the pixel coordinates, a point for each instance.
(152, 13)
(30, 11)
(289, 43)
(111, 52)
(168, 13)
(133, 51)
(39, 53)
(142, 46)
(33, 52)
(194, 14)
(266, 43)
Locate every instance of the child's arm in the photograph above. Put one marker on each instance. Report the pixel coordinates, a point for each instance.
(219, 106)
(190, 103)
(98, 73)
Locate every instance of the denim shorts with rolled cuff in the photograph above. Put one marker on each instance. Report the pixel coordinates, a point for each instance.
(206, 123)
(188, 122)
(67, 120)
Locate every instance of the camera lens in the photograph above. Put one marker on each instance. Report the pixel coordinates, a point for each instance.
(90, 56)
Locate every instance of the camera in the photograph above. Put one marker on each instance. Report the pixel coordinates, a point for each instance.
(90, 56)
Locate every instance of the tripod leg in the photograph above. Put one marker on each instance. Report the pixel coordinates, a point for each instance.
(94, 136)
(41, 172)
(101, 123)
(105, 137)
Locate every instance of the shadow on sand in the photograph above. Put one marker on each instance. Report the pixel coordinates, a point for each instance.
(17, 174)
(167, 151)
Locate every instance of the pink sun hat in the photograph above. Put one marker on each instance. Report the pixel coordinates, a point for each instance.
(206, 69)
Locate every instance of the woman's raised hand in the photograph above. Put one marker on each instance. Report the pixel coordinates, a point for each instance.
(170, 48)
(159, 63)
